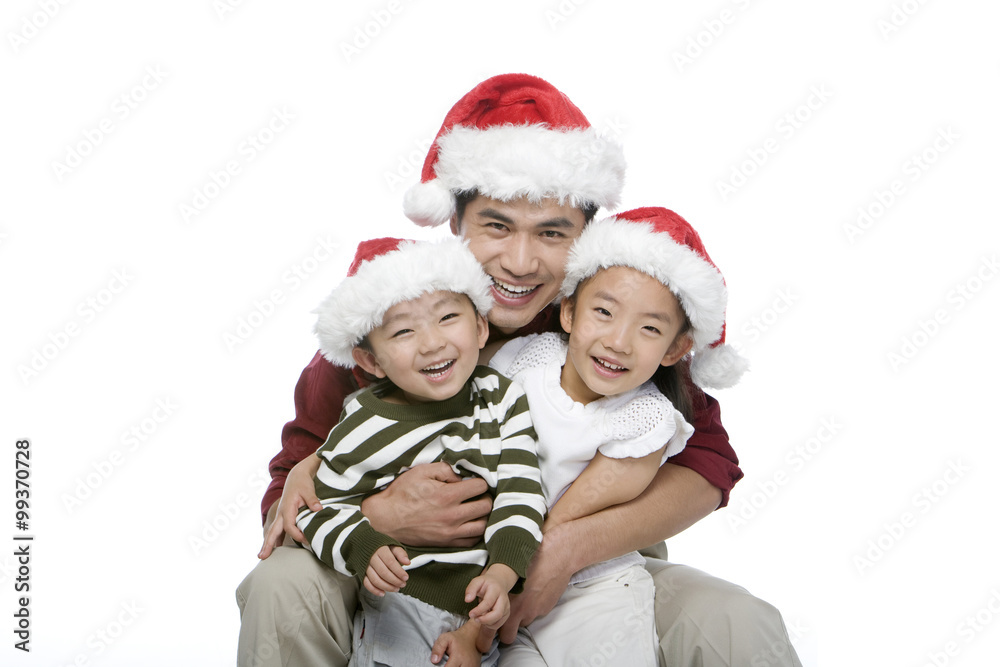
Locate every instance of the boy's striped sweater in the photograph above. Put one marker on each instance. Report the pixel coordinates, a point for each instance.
(484, 430)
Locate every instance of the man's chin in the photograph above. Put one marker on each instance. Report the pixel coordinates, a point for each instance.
(509, 320)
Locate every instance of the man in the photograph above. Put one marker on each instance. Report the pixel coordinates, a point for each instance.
(517, 171)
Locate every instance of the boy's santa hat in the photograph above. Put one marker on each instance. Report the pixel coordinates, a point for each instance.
(515, 135)
(661, 244)
(388, 271)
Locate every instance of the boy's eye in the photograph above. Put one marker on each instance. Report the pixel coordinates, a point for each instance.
(401, 332)
(652, 329)
(449, 316)
(602, 311)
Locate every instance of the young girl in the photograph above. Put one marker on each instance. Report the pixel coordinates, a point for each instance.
(609, 406)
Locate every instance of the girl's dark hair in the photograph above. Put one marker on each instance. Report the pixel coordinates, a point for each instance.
(673, 382)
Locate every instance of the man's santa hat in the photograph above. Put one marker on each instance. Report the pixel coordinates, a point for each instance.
(661, 244)
(515, 135)
(388, 271)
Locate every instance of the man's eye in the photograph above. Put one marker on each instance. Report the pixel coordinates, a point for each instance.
(552, 234)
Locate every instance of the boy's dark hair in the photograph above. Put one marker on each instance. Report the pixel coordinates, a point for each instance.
(463, 197)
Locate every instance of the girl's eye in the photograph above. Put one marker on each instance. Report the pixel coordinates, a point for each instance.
(449, 316)
(602, 311)
(401, 332)
(652, 329)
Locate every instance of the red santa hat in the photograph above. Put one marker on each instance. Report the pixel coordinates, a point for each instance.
(515, 135)
(661, 244)
(388, 271)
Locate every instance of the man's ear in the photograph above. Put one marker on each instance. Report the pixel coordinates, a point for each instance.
(680, 347)
(566, 314)
(367, 361)
(482, 330)
(456, 226)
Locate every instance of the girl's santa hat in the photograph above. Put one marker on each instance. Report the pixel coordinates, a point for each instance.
(661, 244)
(388, 271)
(515, 135)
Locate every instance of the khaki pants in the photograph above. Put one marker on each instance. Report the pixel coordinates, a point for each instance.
(297, 612)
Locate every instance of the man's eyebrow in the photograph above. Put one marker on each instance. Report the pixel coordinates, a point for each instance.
(560, 222)
(495, 214)
(557, 223)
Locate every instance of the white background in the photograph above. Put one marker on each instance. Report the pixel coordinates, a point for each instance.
(866, 569)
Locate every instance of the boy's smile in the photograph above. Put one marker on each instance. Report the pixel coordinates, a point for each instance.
(428, 346)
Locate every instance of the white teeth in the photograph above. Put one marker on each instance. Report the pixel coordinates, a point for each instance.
(610, 366)
(513, 289)
(437, 367)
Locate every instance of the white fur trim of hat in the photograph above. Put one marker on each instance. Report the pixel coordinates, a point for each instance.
(387, 272)
(516, 135)
(661, 244)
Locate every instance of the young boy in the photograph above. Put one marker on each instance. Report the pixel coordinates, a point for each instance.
(413, 315)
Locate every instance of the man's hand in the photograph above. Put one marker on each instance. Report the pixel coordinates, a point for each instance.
(429, 505)
(385, 572)
(548, 577)
(299, 490)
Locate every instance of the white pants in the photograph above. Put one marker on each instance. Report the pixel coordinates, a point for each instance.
(599, 622)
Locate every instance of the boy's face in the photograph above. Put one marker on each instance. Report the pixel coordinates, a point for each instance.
(523, 247)
(427, 347)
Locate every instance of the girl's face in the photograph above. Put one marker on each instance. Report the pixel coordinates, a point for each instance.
(622, 326)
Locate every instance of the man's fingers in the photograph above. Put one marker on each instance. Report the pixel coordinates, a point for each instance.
(272, 538)
(509, 630)
(466, 489)
(441, 472)
(311, 500)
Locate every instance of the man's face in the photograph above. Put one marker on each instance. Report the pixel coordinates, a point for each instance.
(523, 247)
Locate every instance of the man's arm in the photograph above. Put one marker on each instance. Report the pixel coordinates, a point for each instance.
(319, 400)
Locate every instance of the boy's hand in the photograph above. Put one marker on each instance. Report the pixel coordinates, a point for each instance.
(460, 647)
(385, 572)
(491, 587)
